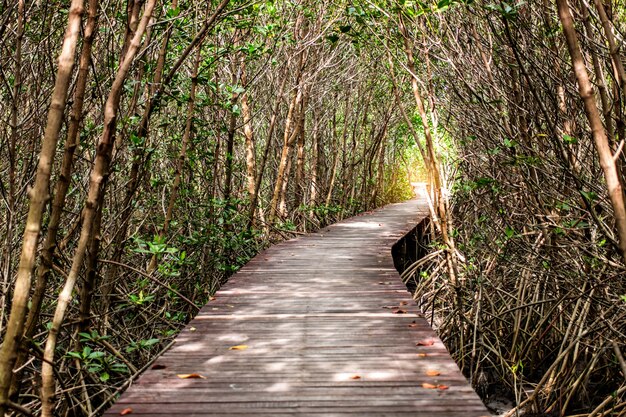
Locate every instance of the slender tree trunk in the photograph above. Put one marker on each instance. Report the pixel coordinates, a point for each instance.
(133, 11)
(299, 186)
(268, 146)
(585, 89)
(599, 80)
(232, 125)
(618, 68)
(230, 152)
(119, 240)
(335, 165)
(182, 155)
(291, 125)
(435, 169)
(613, 46)
(248, 132)
(89, 281)
(38, 200)
(289, 137)
(17, 85)
(315, 156)
(282, 202)
(380, 172)
(97, 185)
(60, 191)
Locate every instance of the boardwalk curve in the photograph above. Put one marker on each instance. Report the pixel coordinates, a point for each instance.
(316, 332)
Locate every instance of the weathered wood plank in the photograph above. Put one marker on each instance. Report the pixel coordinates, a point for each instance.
(329, 330)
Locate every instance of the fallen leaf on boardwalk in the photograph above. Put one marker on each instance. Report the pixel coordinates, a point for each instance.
(126, 411)
(432, 372)
(158, 366)
(431, 386)
(192, 329)
(403, 303)
(211, 298)
(425, 343)
(421, 355)
(355, 377)
(191, 376)
(399, 311)
(238, 347)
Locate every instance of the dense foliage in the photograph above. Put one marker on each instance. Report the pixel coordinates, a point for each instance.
(538, 312)
(170, 141)
(234, 125)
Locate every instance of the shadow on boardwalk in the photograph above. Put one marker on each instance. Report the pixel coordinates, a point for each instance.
(320, 325)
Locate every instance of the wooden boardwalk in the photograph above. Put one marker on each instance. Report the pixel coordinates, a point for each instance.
(320, 325)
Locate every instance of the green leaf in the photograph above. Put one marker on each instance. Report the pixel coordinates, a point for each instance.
(85, 336)
(150, 342)
(569, 140)
(96, 355)
(509, 143)
(172, 12)
(443, 5)
(589, 195)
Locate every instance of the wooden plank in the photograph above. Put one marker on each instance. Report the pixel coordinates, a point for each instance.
(328, 328)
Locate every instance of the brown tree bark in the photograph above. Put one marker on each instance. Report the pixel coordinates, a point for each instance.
(299, 185)
(230, 145)
(290, 135)
(248, 132)
(378, 188)
(63, 183)
(39, 196)
(599, 80)
(97, 184)
(268, 145)
(335, 164)
(15, 100)
(614, 47)
(315, 157)
(585, 89)
(291, 125)
(435, 168)
(299, 172)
